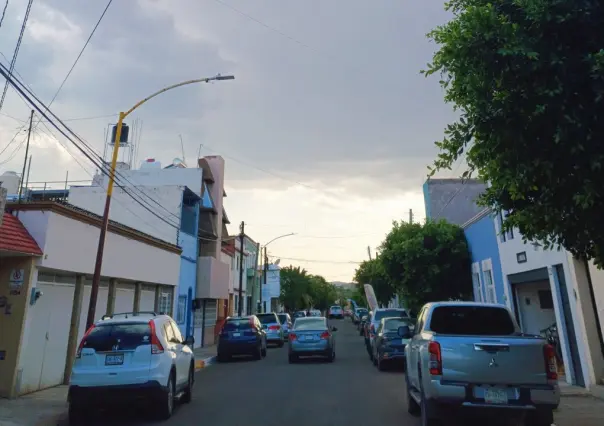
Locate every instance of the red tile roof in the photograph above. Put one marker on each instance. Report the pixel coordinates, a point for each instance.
(14, 237)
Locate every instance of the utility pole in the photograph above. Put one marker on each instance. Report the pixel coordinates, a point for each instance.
(410, 216)
(369, 252)
(241, 238)
(31, 119)
(264, 273)
(256, 281)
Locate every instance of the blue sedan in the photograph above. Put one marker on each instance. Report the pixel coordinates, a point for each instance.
(312, 336)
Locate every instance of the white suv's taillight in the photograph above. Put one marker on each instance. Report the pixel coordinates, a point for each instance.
(79, 352)
(156, 346)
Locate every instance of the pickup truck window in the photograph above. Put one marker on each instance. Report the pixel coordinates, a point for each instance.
(472, 321)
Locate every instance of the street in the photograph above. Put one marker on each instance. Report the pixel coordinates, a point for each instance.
(274, 392)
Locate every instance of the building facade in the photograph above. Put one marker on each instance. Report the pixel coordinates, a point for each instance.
(47, 258)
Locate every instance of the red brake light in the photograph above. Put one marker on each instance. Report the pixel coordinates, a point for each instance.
(274, 327)
(79, 352)
(292, 337)
(156, 346)
(436, 362)
(325, 335)
(551, 367)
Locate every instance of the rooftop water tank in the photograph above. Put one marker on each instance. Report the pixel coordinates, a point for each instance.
(150, 163)
(11, 181)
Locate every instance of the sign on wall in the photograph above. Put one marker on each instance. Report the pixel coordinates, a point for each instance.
(16, 279)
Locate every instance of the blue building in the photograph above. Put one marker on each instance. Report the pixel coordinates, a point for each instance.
(487, 276)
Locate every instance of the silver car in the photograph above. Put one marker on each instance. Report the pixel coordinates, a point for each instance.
(312, 336)
(274, 331)
(286, 324)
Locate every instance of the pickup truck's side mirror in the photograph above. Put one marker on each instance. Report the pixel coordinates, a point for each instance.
(404, 332)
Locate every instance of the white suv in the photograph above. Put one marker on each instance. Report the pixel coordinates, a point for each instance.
(131, 357)
(336, 312)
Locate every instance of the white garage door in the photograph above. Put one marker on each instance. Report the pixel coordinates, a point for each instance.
(101, 308)
(43, 362)
(124, 299)
(147, 301)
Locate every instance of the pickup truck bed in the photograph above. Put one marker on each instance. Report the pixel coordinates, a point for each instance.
(467, 358)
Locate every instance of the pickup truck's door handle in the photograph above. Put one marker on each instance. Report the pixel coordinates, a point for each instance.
(492, 347)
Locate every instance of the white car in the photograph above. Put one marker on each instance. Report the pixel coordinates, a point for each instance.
(335, 312)
(130, 358)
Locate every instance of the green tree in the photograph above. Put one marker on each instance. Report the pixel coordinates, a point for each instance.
(427, 263)
(322, 293)
(295, 288)
(373, 272)
(358, 295)
(527, 78)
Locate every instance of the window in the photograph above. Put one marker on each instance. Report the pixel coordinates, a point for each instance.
(236, 305)
(472, 321)
(391, 313)
(104, 338)
(392, 324)
(236, 324)
(165, 303)
(182, 309)
(268, 318)
(545, 299)
(476, 283)
(310, 324)
(176, 331)
(490, 286)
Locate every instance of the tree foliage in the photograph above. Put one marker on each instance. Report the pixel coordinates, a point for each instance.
(427, 263)
(527, 78)
(373, 272)
(301, 290)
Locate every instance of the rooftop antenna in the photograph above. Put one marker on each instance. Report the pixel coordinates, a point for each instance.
(198, 155)
(182, 148)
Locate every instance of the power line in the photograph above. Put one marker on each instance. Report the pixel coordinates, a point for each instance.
(350, 262)
(3, 13)
(16, 52)
(78, 58)
(12, 140)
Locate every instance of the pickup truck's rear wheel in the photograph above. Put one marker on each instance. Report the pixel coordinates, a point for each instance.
(540, 417)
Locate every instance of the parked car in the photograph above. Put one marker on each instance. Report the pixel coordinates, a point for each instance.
(315, 313)
(358, 314)
(473, 356)
(310, 337)
(271, 324)
(286, 324)
(377, 316)
(366, 333)
(335, 311)
(128, 358)
(241, 336)
(389, 347)
(299, 314)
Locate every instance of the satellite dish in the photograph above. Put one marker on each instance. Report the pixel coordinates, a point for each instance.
(277, 262)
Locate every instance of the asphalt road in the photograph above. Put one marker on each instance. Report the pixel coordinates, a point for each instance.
(271, 392)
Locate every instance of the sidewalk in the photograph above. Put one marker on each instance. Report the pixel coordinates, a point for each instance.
(49, 407)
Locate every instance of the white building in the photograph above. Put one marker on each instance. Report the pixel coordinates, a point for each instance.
(45, 289)
(271, 291)
(550, 287)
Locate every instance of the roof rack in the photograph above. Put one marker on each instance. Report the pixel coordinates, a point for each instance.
(129, 314)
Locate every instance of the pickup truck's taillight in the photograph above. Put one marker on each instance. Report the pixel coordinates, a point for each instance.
(551, 367)
(436, 362)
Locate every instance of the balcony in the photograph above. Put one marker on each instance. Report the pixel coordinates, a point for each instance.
(212, 278)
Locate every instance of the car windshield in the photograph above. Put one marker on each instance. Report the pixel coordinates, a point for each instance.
(336, 308)
(267, 318)
(129, 336)
(361, 312)
(282, 318)
(390, 313)
(310, 324)
(472, 321)
(237, 324)
(391, 325)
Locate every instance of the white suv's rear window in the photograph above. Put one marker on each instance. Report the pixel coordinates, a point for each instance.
(111, 337)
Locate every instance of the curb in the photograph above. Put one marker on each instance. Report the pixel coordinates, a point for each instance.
(203, 363)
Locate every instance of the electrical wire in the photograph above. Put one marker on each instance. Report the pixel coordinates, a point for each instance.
(3, 13)
(16, 52)
(19, 130)
(21, 89)
(15, 151)
(77, 59)
(350, 262)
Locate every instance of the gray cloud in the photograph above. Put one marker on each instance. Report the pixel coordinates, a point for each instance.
(344, 106)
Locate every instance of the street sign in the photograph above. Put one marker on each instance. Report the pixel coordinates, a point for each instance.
(16, 279)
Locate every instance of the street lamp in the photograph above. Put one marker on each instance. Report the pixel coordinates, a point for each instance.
(265, 269)
(96, 279)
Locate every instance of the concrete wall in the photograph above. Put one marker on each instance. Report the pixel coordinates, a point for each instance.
(452, 199)
(597, 278)
(482, 242)
(12, 319)
(71, 245)
(164, 201)
(192, 178)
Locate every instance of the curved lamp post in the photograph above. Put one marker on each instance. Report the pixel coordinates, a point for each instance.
(96, 279)
(265, 269)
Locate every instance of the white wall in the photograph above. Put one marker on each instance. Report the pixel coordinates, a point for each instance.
(129, 212)
(229, 260)
(71, 245)
(597, 279)
(192, 178)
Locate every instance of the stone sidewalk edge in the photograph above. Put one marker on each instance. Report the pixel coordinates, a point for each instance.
(203, 363)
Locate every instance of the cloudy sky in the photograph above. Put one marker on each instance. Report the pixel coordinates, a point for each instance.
(326, 131)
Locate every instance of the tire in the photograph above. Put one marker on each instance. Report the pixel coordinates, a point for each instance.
(281, 343)
(413, 407)
(221, 358)
(427, 417)
(331, 357)
(292, 359)
(165, 407)
(258, 353)
(540, 417)
(263, 352)
(76, 414)
(380, 365)
(187, 397)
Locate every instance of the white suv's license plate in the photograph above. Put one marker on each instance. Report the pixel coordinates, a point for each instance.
(114, 359)
(496, 396)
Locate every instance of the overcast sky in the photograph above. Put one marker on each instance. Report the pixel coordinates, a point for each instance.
(327, 130)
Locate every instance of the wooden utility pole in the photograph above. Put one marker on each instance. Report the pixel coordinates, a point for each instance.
(256, 281)
(31, 118)
(369, 252)
(241, 240)
(264, 273)
(410, 215)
